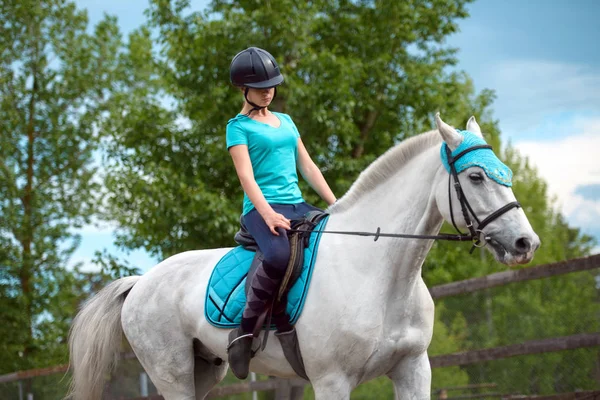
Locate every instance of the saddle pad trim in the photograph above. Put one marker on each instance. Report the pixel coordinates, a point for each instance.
(217, 316)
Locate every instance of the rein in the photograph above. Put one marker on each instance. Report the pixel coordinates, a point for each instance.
(474, 234)
(462, 237)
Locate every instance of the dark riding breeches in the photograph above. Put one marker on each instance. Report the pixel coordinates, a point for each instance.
(276, 251)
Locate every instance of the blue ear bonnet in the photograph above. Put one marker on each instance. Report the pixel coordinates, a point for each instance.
(482, 158)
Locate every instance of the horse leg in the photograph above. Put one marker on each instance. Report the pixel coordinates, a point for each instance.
(208, 371)
(331, 387)
(167, 358)
(412, 378)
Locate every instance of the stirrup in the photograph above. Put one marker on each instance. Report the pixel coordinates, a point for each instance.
(238, 338)
(239, 353)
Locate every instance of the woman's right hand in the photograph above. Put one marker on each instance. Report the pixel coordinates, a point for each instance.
(275, 220)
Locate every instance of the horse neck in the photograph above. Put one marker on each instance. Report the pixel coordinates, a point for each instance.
(404, 203)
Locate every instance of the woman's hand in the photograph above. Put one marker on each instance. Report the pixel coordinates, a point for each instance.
(275, 220)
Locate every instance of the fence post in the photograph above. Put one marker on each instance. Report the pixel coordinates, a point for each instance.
(143, 384)
(297, 393)
(283, 390)
(253, 379)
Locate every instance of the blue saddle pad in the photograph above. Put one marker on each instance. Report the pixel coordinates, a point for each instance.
(226, 294)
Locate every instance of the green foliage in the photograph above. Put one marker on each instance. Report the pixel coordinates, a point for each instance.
(54, 83)
(112, 267)
(359, 77)
(448, 338)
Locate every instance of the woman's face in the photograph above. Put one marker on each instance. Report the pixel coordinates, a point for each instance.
(261, 97)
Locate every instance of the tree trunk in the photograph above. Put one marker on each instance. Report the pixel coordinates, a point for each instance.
(27, 268)
(365, 129)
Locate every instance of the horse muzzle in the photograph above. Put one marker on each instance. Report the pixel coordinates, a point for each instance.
(514, 251)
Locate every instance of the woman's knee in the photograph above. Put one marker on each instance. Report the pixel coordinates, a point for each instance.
(278, 256)
(276, 260)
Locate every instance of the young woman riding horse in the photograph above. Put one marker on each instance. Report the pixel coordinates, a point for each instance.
(368, 312)
(266, 149)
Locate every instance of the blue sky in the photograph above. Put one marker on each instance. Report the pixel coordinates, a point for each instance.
(542, 59)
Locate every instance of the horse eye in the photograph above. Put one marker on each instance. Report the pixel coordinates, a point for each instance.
(476, 177)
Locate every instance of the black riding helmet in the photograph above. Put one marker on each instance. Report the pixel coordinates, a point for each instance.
(255, 68)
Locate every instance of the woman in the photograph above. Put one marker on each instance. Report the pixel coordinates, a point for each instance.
(266, 149)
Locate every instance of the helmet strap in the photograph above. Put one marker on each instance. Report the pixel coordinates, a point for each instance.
(255, 107)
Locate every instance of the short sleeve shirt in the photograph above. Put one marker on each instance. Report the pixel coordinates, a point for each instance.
(273, 154)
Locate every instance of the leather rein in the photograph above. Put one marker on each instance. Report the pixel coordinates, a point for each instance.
(474, 235)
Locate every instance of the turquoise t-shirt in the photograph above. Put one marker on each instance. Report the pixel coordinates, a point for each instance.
(273, 153)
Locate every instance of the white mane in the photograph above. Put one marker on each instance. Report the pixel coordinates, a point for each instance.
(385, 166)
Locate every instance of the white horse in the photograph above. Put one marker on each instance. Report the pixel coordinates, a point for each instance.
(368, 312)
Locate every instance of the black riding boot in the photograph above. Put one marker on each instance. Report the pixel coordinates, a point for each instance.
(239, 352)
(291, 350)
(286, 333)
(261, 292)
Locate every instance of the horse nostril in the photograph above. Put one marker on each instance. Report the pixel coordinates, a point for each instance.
(523, 245)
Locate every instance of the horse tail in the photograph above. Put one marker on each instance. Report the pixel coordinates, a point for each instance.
(95, 339)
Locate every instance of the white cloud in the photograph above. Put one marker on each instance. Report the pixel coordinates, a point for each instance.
(567, 163)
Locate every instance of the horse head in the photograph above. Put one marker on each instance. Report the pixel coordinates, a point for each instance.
(478, 196)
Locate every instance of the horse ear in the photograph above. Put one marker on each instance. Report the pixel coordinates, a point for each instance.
(449, 134)
(473, 126)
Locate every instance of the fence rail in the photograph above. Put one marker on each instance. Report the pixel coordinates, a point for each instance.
(525, 274)
(463, 358)
(583, 395)
(32, 373)
(283, 385)
(530, 347)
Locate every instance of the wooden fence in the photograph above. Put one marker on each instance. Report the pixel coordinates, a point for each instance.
(289, 389)
(520, 349)
(519, 275)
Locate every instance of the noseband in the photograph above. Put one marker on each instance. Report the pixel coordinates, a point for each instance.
(475, 233)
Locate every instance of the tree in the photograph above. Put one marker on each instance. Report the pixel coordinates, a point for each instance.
(172, 185)
(54, 83)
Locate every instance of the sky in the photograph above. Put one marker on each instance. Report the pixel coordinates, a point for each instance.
(540, 57)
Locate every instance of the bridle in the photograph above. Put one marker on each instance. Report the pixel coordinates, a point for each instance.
(475, 235)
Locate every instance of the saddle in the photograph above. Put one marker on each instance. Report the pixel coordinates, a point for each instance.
(298, 236)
